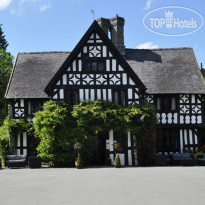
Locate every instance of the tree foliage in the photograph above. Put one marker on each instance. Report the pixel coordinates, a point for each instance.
(3, 42)
(4, 139)
(58, 132)
(59, 127)
(6, 64)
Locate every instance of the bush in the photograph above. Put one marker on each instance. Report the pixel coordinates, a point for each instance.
(58, 132)
(4, 139)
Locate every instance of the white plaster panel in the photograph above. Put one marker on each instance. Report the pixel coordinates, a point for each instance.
(190, 137)
(22, 102)
(122, 159)
(199, 120)
(158, 118)
(104, 51)
(185, 137)
(81, 95)
(86, 94)
(181, 119)
(97, 36)
(129, 157)
(18, 151)
(85, 49)
(18, 140)
(110, 55)
(169, 115)
(163, 118)
(193, 119)
(104, 94)
(181, 140)
(108, 65)
(111, 140)
(196, 139)
(128, 139)
(137, 96)
(193, 98)
(98, 94)
(114, 65)
(90, 41)
(124, 78)
(92, 94)
(109, 94)
(64, 79)
(24, 139)
(61, 94)
(131, 81)
(112, 158)
(16, 104)
(58, 83)
(130, 93)
(120, 68)
(175, 118)
(74, 65)
(25, 151)
(80, 65)
(55, 96)
(187, 119)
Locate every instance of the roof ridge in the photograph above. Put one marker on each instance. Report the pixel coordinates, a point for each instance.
(46, 52)
(178, 48)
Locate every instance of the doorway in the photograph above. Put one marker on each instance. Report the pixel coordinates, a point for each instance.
(98, 149)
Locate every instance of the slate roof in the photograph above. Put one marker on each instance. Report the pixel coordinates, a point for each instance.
(162, 71)
(169, 70)
(32, 72)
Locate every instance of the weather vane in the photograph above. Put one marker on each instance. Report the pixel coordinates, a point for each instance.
(92, 11)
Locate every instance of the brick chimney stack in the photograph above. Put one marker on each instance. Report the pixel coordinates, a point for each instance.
(114, 26)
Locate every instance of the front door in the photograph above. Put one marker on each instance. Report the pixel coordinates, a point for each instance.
(98, 149)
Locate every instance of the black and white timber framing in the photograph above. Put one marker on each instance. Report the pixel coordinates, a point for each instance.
(169, 79)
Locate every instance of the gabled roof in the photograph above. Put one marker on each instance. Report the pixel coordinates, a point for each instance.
(32, 72)
(95, 27)
(167, 71)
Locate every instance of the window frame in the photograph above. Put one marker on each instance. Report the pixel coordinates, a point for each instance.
(166, 103)
(120, 96)
(94, 60)
(165, 140)
(69, 94)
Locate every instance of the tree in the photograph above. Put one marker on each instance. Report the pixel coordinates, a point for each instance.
(3, 42)
(6, 64)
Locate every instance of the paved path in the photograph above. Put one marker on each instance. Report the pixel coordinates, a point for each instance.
(106, 186)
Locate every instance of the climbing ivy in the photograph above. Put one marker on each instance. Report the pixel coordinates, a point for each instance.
(59, 127)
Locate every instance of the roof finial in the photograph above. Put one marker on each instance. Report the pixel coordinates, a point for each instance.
(92, 11)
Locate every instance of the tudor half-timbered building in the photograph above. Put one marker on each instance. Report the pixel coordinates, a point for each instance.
(100, 67)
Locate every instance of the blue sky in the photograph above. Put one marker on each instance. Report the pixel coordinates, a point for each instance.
(58, 25)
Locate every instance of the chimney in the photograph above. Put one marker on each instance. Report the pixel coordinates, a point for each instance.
(202, 70)
(114, 26)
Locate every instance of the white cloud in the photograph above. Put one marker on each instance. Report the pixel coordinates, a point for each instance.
(4, 4)
(45, 6)
(21, 6)
(147, 45)
(148, 4)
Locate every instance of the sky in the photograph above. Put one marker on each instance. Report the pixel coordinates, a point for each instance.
(58, 25)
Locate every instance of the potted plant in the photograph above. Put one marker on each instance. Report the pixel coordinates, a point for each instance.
(117, 163)
(78, 162)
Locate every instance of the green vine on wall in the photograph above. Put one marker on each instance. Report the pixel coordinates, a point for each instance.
(59, 127)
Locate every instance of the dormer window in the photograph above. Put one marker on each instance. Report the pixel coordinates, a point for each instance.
(94, 66)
